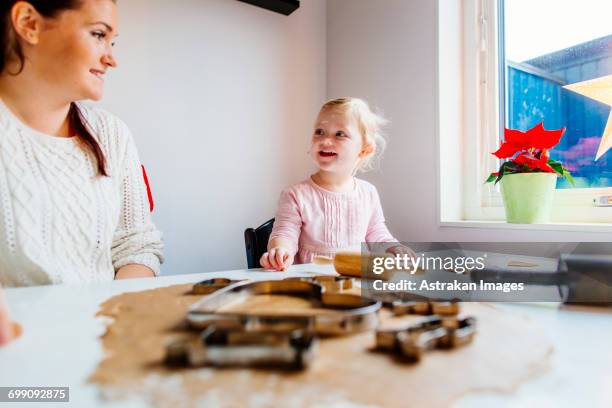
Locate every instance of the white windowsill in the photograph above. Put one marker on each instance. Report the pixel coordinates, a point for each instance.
(573, 227)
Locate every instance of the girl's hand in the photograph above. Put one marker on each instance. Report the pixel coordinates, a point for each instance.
(277, 258)
(402, 250)
(9, 330)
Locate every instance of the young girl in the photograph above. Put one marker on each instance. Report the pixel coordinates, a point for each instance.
(332, 210)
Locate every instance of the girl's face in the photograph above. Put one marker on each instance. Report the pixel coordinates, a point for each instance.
(74, 49)
(337, 145)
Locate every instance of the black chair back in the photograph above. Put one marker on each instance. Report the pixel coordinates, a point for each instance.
(256, 242)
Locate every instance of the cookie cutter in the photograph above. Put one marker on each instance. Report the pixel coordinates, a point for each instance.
(413, 344)
(414, 339)
(222, 348)
(386, 340)
(460, 333)
(335, 284)
(208, 286)
(419, 307)
(347, 313)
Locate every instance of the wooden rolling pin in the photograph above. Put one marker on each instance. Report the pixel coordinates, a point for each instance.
(349, 264)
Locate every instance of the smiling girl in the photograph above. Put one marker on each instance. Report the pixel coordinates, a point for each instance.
(332, 210)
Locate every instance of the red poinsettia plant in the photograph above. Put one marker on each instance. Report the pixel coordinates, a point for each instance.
(528, 153)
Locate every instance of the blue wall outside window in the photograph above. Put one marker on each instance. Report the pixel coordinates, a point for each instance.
(535, 93)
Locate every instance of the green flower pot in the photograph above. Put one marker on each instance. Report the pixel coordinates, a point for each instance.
(528, 197)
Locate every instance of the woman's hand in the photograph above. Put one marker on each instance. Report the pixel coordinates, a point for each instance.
(277, 258)
(9, 330)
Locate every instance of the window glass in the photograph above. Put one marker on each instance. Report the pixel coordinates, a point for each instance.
(547, 45)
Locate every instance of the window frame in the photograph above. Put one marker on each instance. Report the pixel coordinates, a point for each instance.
(483, 104)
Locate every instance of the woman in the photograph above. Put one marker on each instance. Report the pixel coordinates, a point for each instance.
(73, 202)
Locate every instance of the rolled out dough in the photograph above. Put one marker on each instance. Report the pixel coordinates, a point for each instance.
(507, 351)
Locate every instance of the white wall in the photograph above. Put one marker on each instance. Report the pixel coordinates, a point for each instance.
(386, 52)
(220, 96)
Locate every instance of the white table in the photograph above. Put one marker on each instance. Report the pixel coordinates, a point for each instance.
(60, 345)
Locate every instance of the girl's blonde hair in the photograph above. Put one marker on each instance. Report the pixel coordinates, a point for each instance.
(370, 126)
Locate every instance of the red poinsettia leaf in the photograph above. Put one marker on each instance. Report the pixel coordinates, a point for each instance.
(540, 138)
(516, 137)
(507, 150)
(533, 163)
(526, 160)
(543, 162)
(545, 167)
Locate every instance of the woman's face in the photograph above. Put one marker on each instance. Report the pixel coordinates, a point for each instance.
(74, 49)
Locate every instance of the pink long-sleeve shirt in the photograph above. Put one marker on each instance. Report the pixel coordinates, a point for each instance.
(321, 222)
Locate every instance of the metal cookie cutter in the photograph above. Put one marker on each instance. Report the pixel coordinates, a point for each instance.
(460, 332)
(347, 313)
(333, 284)
(220, 348)
(211, 285)
(387, 339)
(420, 307)
(413, 343)
(413, 340)
(401, 308)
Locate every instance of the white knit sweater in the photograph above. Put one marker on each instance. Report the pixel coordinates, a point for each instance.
(59, 221)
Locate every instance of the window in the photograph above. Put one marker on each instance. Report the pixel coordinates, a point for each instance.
(547, 45)
(519, 56)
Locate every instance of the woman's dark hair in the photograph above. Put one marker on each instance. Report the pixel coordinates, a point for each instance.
(12, 49)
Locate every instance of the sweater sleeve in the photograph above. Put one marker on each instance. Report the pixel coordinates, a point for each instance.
(377, 229)
(288, 219)
(136, 239)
